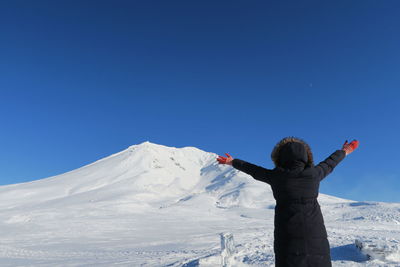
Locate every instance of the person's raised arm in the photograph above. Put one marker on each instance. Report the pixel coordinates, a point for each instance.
(326, 167)
(257, 172)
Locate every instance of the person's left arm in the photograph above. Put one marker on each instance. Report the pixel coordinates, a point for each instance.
(257, 172)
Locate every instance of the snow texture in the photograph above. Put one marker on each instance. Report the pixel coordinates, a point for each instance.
(152, 205)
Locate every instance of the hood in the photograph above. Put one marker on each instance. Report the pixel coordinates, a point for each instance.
(292, 152)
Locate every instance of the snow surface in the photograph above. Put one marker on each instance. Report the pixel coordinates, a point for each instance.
(153, 205)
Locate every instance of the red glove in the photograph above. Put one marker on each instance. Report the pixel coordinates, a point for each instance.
(224, 160)
(350, 147)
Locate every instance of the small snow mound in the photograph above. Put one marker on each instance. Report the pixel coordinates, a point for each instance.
(394, 257)
(383, 249)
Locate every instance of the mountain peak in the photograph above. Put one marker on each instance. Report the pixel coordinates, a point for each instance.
(145, 143)
(148, 144)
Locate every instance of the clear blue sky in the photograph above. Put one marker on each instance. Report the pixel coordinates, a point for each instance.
(80, 80)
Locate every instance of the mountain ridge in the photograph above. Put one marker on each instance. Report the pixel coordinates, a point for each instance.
(147, 173)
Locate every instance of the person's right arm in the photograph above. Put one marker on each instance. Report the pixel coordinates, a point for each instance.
(326, 167)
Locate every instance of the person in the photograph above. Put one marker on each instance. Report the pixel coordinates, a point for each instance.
(300, 237)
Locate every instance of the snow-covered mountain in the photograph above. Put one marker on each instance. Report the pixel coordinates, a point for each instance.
(144, 175)
(152, 205)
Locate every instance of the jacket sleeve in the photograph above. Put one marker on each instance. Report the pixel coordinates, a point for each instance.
(326, 167)
(258, 173)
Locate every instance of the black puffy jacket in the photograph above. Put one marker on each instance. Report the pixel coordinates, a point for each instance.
(300, 237)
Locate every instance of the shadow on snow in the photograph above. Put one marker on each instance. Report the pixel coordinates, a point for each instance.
(347, 253)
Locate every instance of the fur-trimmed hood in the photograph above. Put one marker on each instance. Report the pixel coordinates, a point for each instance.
(291, 149)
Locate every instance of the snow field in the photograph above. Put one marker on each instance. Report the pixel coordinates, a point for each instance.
(152, 205)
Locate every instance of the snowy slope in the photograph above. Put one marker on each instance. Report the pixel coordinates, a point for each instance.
(152, 205)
